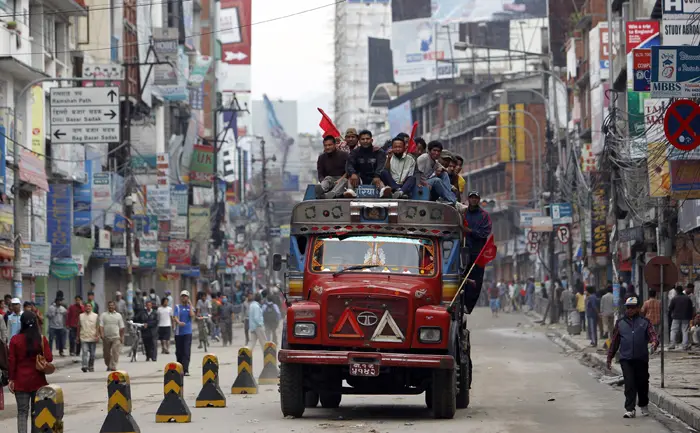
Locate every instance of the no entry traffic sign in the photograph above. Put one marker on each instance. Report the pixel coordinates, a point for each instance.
(681, 121)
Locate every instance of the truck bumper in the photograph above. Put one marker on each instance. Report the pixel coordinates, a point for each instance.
(383, 359)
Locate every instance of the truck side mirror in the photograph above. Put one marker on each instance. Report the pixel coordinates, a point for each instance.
(277, 262)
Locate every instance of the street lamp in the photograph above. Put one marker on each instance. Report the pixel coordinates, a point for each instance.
(493, 128)
(494, 114)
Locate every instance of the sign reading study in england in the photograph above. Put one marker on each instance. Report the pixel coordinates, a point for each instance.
(675, 72)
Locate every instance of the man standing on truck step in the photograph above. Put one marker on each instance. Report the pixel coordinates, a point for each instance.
(365, 165)
(331, 170)
(478, 229)
(399, 172)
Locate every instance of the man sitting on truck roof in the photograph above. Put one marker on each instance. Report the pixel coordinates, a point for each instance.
(331, 170)
(399, 172)
(433, 174)
(365, 165)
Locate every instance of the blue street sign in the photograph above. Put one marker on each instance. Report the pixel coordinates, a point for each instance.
(562, 213)
(675, 72)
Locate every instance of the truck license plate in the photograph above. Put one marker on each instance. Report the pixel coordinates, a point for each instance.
(362, 369)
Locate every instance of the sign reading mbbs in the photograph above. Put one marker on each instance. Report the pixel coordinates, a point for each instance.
(675, 72)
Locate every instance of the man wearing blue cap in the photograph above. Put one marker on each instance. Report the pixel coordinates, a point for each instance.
(632, 335)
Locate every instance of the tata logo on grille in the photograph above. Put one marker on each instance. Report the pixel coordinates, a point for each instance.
(367, 318)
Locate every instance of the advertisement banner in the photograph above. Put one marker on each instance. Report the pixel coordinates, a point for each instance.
(199, 70)
(460, 11)
(178, 200)
(58, 219)
(659, 170)
(235, 22)
(600, 104)
(40, 257)
(37, 101)
(599, 58)
(637, 123)
(82, 203)
(685, 179)
(158, 199)
(526, 216)
(101, 191)
(512, 115)
(416, 51)
(197, 97)
(165, 45)
(32, 169)
(163, 170)
(640, 34)
(680, 32)
(6, 222)
(148, 250)
(202, 166)
(178, 227)
(600, 182)
(199, 217)
(177, 92)
(674, 72)
(641, 70)
(179, 253)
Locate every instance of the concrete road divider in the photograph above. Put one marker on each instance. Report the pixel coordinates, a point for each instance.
(173, 408)
(47, 416)
(245, 381)
(211, 394)
(269, 375)
(119, 419)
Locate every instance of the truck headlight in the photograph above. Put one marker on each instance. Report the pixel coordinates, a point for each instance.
(305, 330)
(430, 335)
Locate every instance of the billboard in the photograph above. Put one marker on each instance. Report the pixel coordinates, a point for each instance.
(235, 19)
(640, 34)
(400, 119)
(276, 121)
(460, 11)
(599, 57)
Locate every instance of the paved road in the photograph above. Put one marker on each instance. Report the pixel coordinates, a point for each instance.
(523, 383)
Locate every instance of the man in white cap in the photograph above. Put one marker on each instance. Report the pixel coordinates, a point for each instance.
(632, 335)
(121, 304)
(13, 325)
(182, 316)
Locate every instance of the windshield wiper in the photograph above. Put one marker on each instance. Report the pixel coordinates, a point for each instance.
(355, 268)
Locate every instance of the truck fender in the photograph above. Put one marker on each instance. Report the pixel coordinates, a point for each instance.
(453, 345)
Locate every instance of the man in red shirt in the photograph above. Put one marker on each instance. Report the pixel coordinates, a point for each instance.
(72, 321)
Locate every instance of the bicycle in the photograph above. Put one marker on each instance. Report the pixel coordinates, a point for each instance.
(136, 340)
(203, 324)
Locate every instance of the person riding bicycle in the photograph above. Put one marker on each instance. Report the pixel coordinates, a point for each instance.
(271, 317)
(203, 310)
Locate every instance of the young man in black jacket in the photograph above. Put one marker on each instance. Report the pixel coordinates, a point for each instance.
(331, 170)
(681, 312)
(365, 165)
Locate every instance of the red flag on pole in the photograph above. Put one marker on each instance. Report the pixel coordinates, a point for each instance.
(412, 146)
(487, 254)
(327, 125)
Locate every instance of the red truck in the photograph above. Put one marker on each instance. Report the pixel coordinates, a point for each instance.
(369, 284)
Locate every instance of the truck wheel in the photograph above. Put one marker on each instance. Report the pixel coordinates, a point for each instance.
(444, 394)
(463, 386)
(330, 400)
(292, 390)
(311, 399)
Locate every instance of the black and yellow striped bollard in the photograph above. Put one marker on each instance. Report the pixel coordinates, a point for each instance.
(173, 408)
(47, 416)
(119, 419)
(211, 394)
(269, 375)
(245, 381)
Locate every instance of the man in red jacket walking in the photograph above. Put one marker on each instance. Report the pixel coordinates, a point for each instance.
(72, 321)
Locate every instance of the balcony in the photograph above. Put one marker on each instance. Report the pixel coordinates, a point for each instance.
(16, 46)
(458, 127)
(71, 8)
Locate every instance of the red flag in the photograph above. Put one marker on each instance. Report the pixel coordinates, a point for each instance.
(327, 125)
(487, 254)
(412, 146)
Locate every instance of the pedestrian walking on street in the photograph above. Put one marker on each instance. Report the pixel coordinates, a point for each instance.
(150, 332)
(88, 336)
(165, 313)
(581, 305)
(681, 312)
(121, 305)
(72, 321)
(568, 302)
(632, 335)
(91, 299)
(13, 317)
(57, 325)
(592, 314)
(607, 312)
(652, 310)
(226, 315)
(245, 314)
(183, 313)
(271, 317)
(25, 378)
(112, 334)
(256, 323)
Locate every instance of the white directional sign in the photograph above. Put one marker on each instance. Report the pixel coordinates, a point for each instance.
(85, 115)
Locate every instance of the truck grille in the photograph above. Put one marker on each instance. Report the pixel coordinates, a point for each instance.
(367, 318)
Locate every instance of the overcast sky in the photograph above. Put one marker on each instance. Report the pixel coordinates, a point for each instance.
(292, 58)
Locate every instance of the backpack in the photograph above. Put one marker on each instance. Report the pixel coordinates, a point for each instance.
(270, 315)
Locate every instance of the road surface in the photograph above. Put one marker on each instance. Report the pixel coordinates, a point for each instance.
(522, 383)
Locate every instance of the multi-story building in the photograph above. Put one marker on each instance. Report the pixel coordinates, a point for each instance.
(355, 22)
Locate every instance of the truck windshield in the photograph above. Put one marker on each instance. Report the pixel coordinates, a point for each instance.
(389, 254)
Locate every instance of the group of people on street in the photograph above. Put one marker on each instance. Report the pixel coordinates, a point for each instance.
(391, 169)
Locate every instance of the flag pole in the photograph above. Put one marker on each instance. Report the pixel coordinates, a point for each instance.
(459, 290)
